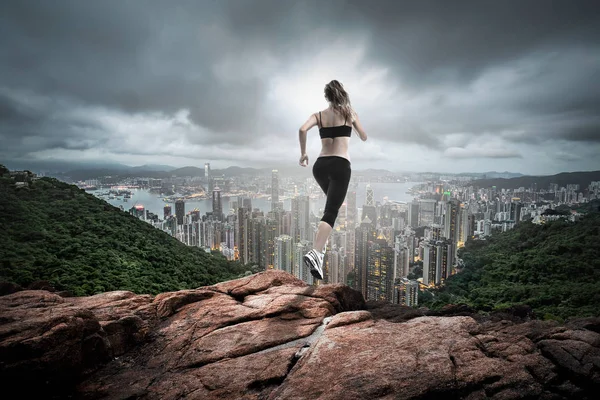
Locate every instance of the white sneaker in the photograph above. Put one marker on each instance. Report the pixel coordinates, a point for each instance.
(314, 262)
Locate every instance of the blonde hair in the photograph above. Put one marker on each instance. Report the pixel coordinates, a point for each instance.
(339, 99)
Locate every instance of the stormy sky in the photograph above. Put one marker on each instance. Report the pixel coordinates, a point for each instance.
(439, 85)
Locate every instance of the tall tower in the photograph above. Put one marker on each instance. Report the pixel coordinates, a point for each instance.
(413, 214)
(270, 235)
(300, 219)
(451, 226)
(216, 204)
(207, 171)
(351, 209)
(380, 271)
(274, 189)
(167, 211)
(180, 211)
(283, 253)
(427, 212)
(365, 236)
(370, 198)
(243, 225)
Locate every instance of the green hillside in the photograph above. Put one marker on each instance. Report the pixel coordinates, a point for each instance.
(554, 268)
(57, 232)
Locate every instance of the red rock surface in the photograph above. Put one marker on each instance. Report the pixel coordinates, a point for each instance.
(270, 335)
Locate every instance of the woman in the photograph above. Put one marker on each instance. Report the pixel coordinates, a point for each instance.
(332, 169)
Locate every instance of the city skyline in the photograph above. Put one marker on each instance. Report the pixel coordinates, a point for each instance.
(447, 88)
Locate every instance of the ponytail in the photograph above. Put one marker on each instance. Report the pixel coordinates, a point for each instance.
(339, 99)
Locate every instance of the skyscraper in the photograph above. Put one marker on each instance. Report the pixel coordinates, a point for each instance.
(167, 211)
(351, 208)
(217, 207)
(401, 258)
(426, 212)
(451, 227)
(283, 253)
(274, 189)
(380, 271)
(300, 219)
(243, 226)
(406, 292)
(370, 201)
(180, 211)
(413, 214)
(270, 235)
(365, 236)
(207, 171)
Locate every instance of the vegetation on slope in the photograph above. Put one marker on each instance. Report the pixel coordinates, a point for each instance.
(554, 268)
(57, 232)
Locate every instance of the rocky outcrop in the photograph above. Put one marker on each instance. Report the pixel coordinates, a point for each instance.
(270, 336)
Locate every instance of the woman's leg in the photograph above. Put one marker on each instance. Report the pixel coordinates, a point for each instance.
(339, 179)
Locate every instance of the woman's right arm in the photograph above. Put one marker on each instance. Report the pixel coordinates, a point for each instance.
(359, 128)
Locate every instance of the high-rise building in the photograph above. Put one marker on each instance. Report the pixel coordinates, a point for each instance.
(380, 271)
(351, 212)
(370, 199)
(283, 253)
(435, 262)
(243, 227)
(271, 228)
(365, 237)
(180, 211)
(167, 211)
(333, 266)
(401, 258)
(217, 206)
(413, 214)
(427, 209)
(300, 219)
(207, 171)
(451, 227)
(406, 292)
(370, 211)
(274, 189)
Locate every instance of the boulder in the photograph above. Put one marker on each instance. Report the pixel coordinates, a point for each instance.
(270, 335)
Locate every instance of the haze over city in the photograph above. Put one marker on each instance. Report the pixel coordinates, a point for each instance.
(439, 86)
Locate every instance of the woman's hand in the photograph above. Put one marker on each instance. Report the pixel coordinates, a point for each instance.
(304, 160)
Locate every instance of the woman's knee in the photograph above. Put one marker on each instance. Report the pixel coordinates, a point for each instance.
(330, 216)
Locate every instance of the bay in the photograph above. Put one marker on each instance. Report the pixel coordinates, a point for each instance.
(155, 204)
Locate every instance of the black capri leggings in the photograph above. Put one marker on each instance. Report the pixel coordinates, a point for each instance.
(332, 173)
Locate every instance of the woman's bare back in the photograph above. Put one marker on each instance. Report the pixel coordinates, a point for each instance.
(338, 146)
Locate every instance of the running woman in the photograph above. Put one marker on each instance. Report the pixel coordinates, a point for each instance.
(332, 169)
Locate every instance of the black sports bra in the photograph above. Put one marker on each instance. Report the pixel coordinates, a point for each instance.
(333, 131)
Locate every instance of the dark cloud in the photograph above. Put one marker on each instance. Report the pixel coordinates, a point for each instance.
(162, 57)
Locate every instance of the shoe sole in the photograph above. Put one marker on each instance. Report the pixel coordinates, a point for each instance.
(313, 271)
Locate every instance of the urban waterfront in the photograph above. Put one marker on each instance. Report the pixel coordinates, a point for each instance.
(154, 203)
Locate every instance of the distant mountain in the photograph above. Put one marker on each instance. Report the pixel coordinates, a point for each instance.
(583, 179)
(153, 167)
(61, 166)
(187, 171)
(493, 174)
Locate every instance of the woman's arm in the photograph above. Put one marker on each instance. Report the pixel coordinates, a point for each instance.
(359, 128)
(310, 122)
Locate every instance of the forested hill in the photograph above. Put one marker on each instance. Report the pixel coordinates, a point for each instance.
(57, 232)
(554, 268)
